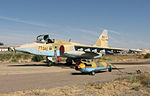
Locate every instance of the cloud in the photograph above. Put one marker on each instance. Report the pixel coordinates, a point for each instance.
(57, 27)
(111, 31)
(115, 32)
(88, 31)
(23, 21)
(16, 39)
(129, 44)
(60, 32)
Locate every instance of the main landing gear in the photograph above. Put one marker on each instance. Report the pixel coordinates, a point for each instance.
(110, 68)
(69, 61)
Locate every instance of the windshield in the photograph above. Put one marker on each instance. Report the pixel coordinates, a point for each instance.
(44, 39)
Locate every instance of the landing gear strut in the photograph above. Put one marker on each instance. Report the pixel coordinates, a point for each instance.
(49, 61)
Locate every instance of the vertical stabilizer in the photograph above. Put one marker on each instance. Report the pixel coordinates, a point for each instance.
(103, 39)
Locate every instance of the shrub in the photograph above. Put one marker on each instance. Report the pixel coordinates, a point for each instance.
(140, 56)
(136, 88)
(15, 57)
(1, 44)
(147, 56)
(18, 56)
(5, 57)
(37, 58)
(133, 79)
(144, 79)
(14, 60)
(26, 56)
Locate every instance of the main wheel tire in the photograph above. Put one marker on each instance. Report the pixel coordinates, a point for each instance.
(109, 69)
(76, 68)
(69, 61)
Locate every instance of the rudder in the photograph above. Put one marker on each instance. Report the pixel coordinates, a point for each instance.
(103, 39)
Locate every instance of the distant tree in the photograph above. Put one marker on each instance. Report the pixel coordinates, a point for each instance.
(147, 55)
(1, 44)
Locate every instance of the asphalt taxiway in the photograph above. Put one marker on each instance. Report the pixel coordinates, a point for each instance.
(28, 76)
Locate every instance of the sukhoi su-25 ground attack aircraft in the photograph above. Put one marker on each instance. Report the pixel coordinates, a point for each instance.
(73, 51)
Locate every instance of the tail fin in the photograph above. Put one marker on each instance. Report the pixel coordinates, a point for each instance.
(103, 39)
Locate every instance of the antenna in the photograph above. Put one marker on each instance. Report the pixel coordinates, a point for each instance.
(70, 40)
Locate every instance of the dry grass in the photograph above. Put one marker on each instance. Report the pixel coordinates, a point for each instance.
(144, 79)
(116, 58)
(18, 57)
(23, 57)
(135, 85)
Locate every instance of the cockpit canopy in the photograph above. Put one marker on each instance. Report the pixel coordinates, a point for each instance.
(44, 39)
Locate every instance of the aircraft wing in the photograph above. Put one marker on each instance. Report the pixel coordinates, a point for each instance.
(97, 49)
(85, 51)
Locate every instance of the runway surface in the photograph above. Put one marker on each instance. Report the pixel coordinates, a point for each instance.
(28, 76)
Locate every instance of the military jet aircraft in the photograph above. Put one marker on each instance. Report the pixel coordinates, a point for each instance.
(73, 51)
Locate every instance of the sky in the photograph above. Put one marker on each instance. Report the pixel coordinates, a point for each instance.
(82, 21)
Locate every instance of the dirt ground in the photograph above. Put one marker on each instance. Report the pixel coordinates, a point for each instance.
(29, 76)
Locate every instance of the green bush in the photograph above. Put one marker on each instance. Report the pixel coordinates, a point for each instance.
(37, 58)
(5, 57)
(1, 44)
(18, 56)
(26, 56)
(147, 56)
(14, 60)
(11, 57)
